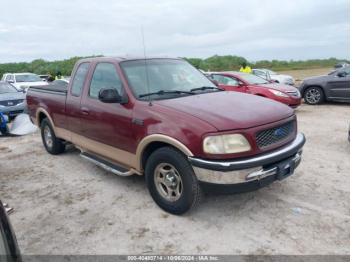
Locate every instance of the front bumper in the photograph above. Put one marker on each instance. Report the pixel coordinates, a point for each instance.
(277, 164)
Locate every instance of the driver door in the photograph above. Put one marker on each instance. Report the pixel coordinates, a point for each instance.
(106, 123)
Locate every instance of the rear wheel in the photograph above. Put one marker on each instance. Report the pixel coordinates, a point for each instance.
(171, 181)
(313, 95)
(52, 144)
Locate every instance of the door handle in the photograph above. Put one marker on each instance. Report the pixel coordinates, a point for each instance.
(85, 111)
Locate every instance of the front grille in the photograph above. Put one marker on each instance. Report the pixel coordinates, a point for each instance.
(271, 136)
(11, 102)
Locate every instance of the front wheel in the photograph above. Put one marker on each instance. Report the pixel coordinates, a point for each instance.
(171, 181)
(313, 95)
(52, 144)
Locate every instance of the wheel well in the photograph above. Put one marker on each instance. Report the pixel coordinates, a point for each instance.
(41, 117)
(260, 95)
(153, 146)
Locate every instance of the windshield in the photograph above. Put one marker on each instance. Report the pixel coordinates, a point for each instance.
(28, 78)
(7, 88)
(253, 79)
(163, 75)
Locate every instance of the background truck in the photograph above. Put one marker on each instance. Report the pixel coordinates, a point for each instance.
(162, 118)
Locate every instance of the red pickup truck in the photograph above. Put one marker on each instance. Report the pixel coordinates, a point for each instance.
(163, 118)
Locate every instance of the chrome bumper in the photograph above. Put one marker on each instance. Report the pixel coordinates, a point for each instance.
(280, 163)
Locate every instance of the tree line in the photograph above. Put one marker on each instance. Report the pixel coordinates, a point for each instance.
(213, 63)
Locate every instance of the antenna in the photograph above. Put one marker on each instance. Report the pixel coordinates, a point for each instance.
(146, 68)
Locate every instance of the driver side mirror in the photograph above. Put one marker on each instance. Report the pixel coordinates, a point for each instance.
(110, 95)
(10, 81)
(341, 74)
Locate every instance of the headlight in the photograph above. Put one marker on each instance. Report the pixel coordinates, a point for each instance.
(278, 93)
(226, 144)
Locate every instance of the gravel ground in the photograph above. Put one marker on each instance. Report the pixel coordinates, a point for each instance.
(65, 205)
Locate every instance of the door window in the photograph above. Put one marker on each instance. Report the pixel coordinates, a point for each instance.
(225, 80)
(10, 78)
(347, 71)
(79, 79)
(105, 76)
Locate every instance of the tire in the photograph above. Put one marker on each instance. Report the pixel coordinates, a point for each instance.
(52, 144)
(165, 168)
(313, 95)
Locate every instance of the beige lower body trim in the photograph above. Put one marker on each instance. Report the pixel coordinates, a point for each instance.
(122, 157)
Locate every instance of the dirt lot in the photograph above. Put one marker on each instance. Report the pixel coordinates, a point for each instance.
(65, 205)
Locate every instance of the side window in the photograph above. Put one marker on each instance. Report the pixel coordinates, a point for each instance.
(225, 80)
(347, 71)
(79, 78)
(105, 76)
(10, 78)
(217, 78)
(230, 81)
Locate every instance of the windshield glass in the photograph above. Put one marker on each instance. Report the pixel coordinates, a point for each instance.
(253, 79)
(7, 88)
(163, 74)
(28, 78)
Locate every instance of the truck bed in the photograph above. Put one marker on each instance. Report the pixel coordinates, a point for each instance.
(49, 88)
(52, 99)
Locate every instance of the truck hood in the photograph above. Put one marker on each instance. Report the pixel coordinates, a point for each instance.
(230, 110)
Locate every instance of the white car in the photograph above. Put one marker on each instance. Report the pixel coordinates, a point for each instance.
(271, 75)
(22, 81)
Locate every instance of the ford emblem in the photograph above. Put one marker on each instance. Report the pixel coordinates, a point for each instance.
(278, 132)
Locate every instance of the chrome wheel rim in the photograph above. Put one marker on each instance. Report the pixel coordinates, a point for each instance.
(48, 137)
(313, 96)
(168, 182)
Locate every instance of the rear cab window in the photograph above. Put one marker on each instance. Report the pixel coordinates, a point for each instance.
(79, 79)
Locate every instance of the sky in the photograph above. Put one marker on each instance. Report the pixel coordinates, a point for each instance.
(254, 29)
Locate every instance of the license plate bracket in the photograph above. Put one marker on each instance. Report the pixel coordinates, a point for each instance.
(285, 169)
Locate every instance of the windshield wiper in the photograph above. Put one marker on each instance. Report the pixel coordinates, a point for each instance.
(165, 92)
(202, 88)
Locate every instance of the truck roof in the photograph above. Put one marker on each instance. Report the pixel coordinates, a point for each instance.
(125, 58)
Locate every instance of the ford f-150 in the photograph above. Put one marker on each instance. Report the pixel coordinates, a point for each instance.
(162, 118)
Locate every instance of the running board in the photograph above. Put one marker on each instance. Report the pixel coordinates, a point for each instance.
(111, 167)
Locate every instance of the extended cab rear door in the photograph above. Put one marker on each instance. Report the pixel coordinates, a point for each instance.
(75, 91)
